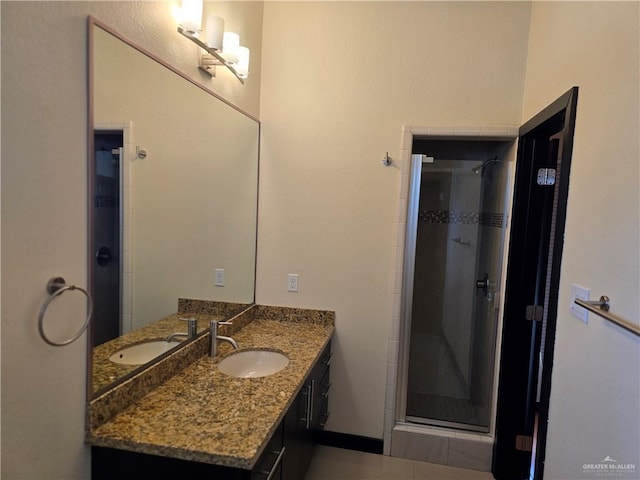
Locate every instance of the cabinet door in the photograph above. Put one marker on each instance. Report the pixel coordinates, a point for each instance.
(307, 441)
(320, 385)
(321, 402)
(294, 438)
(269, 465)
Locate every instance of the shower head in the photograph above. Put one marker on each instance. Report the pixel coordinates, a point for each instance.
(480, 168)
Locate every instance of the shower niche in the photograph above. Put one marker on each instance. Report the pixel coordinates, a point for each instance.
(455, 238)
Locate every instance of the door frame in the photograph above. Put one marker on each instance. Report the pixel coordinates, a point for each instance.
(517, 379)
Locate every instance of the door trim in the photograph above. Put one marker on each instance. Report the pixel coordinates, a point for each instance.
(505, 133)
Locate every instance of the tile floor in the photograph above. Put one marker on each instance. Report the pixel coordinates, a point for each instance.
(337, 464)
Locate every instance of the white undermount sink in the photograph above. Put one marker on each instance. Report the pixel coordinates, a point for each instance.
(253, 363)
(142, 352)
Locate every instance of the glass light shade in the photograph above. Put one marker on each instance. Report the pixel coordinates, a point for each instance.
(191, 15)
(214, 31)
(231, 44)
(243, 62)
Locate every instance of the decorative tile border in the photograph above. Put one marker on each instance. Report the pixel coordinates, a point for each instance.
(463, 218)
(492, 220)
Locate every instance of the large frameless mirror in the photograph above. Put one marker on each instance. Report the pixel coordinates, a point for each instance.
(173, 179)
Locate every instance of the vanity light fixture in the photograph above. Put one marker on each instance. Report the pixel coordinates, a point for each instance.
(220, 47)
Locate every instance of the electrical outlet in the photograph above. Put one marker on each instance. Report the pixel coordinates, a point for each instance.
(576, 310)
(219, 274)
(292, 282)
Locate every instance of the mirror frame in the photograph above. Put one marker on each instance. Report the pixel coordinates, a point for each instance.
(91, 170)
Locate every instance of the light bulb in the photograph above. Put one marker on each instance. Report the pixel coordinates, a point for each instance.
(243, 62)
(230, 46)
(191, 15)
(214, 30)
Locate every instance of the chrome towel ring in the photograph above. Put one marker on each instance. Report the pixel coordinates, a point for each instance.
(57, 286)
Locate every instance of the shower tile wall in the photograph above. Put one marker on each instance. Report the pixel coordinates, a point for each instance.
(461, 262)
(436, 192)
(490, 252)
(446, 238)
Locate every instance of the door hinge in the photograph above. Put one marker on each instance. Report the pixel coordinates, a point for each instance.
(534, 312)
(546, 176)
(524, 443)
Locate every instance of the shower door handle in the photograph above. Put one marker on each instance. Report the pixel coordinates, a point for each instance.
(103, 256)
(483, 284)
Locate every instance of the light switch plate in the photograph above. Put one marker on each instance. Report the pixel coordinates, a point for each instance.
(219, 274)
(292, 282)
(581, 293)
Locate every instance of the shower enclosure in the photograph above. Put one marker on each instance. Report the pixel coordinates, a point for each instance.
(106, 237)
(454, 247)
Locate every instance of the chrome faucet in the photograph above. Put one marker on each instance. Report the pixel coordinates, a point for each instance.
(192, 330)
(213, 330)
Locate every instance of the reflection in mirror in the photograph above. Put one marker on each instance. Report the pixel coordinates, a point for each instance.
(174, 179)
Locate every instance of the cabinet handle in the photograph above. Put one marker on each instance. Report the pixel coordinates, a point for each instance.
(326, 417)
(325, 394)
(310, 410)
(327, 361)
(270, 473)
(309, 405)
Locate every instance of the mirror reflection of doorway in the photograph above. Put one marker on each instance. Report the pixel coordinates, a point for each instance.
(106, 236)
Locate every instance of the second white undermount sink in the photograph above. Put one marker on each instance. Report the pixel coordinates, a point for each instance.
(142, 352)
(253, 363)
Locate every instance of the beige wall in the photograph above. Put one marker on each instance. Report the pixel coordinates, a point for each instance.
(339, 81)
(595, 384)
(44, 208)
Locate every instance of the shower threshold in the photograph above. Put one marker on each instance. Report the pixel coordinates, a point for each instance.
(443, 423)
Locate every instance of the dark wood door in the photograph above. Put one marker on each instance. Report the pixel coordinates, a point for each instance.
(533, 275)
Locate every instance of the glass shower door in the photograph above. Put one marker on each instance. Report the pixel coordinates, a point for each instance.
(457, 207)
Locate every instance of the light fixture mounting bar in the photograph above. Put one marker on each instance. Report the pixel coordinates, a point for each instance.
(211, 52)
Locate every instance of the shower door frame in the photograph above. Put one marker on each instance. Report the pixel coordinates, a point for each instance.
(415, 173)
(413, 207)
(399, 407)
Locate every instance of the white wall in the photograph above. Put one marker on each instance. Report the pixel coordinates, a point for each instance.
(44, 229)
(339, 81)
(595, 384)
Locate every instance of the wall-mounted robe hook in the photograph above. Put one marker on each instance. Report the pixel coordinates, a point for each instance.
(141, 152)
(386, 161)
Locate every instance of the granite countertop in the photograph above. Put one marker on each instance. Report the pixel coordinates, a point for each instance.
(105, 372)
(206, 416)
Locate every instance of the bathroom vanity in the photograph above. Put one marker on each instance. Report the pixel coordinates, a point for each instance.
(202, 423)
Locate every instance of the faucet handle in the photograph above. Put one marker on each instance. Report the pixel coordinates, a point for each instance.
(192, 326)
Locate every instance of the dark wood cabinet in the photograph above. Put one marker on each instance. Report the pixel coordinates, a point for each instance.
(286, 457)
(306, 417)
(111, 464)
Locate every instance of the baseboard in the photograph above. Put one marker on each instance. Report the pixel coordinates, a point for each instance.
(350, 442)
